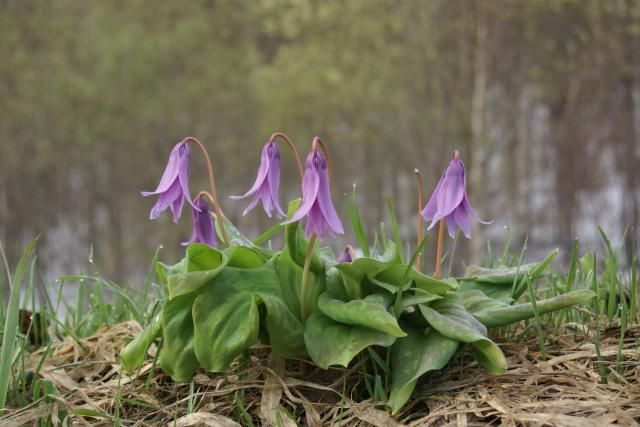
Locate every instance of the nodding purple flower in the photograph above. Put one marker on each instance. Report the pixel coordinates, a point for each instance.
(449, 200)
(174, 184)
(203, 228)
(347, 254)
(316, 202)
(267, 182)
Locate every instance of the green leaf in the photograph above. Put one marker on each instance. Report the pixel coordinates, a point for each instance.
(395, 274)
(504, 275)
(364, 266)
(236, 238)
(202, 264)
(134, 353)
(243, 257)
(496, 291)
(412, 357)
(448, 317)
(177, 357)
(331, 343)
(290, 275)
(286, 333)
(492, 313)
(227, 316)
(371, 312)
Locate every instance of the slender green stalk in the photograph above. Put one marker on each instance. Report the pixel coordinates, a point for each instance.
(634, 284)
(305, 310)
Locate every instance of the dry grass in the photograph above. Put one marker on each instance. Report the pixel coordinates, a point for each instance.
(564, 390)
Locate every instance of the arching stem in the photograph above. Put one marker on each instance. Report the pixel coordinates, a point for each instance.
(314, 146)
(305, 310)
(438, 272)
(212, 187)
(419, 179)
(286, 139)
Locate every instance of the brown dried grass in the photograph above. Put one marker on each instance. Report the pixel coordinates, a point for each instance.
(564, 390)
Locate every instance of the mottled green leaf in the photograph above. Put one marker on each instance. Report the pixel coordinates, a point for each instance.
(331, 343)
(396, 274)
(412, 357)
(134, 353)
(177, 357)
(492, 313)
(448, 317)
(202, 264)
(371, 312)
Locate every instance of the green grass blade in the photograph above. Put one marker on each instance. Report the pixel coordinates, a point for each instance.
(356, 222)
(11, 321)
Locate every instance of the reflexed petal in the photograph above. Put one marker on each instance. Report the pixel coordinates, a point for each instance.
(431, 207)
(310, 184)
(166, 199)
(183, 177)
(170, 171)
(462, 219)
(176, 208)
(263, 168)
(471, 212)
(252, 205)
(273, 181)
(316, 223)
(326, 206)
(452, 190)
(451, 225)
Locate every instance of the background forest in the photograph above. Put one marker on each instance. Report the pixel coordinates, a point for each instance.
(542, 98)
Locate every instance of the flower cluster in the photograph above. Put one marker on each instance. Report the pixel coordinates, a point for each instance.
(448, 204)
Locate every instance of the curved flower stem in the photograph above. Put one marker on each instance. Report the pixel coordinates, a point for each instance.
(212, 186)
(314, 146)
(419, 179)
(207, 195)
(286, 139)
(304, 308)
(438, 272)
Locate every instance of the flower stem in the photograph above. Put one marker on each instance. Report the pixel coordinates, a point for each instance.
(212, 187)
(438, 272)
(419, 179)
(286, 139)
(317, 141)
(304, 308)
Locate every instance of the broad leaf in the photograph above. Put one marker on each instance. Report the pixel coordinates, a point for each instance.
(371, 312)
(177, 357)
(134, 353)
(395, 274)
(504, 275)
(290, 274)
(448, 317)
(200, 266)
(492, 313)
(331, 343)
(412, 357)
(496, 291)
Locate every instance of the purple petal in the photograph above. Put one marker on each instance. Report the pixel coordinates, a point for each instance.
(166, 198)
(316, 223)
(471, 212)
(310, 184)
(252, 205)
(462, 219)
(451, 225)
(263, 168)
(431, 207)
(273, 181)
(452, 189)
(326, 206)
(183, 177)
(171, 170)
(176, 208)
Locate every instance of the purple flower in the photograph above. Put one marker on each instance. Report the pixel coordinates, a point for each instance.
(449, 200)
(267, 182)
(316, 202)
(347, 254)
(174, 184)
(203, 229)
